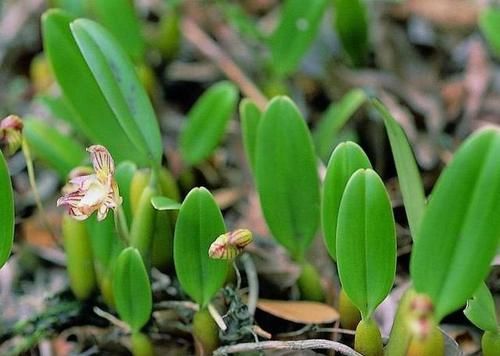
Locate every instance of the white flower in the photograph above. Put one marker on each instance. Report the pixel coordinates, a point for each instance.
(93, 192)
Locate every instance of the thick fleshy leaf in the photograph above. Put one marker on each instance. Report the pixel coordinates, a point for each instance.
(480, 309)
(125, 27)
(334, 119)
(93, 114)
(366, 241)
(120, 85)
(199, 223)
(207, 121)
(459, 233)
(7, 218)
(489, 23)
(410, 183)
(52, 147)
(124, 174)
(347, 158)
(298, 25)
(250, 115)
(132, 290)
(351, 24)
(287, 177)
(164, 203)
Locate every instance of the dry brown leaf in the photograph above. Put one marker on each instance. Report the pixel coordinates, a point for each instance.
(227, 197)
(463, 14)
(301, 312)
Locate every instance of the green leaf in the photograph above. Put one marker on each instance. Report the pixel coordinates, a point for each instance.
(489, 23)
(207, 121)
(132, 290)
(79, 87)
(351, 24)
(366, 241)
(7, 217)
(460, 230)
(410, 183)
(287, 178)
(250, 116)
(52, 147)
(297, 28)
(124, 173)
(334, 119)
(199, 223)
(125, 27)
(347, 158)
(480, 309)
(164, 203)
(120, 85)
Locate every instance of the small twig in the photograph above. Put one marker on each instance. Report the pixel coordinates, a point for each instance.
(287, 345)
(335, 330)
(112, 319)
(177, 304)
(253, 282)
(209, 48)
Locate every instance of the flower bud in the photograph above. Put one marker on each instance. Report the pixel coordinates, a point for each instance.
(11, 129)
(229, 245)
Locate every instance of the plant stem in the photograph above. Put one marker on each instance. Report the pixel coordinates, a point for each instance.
(36, 194)
(121, 225)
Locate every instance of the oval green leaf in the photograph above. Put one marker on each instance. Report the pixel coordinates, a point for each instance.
(52, 147)
(125, 27)
(287, 177)
(92, 113)
(297, 28)
(334, 119)
(460, 230)
(347, 158)
(250, 115)
(480, 309)
(120, 85)
(489, 23)
(410, 183)
(199, 223)
(207, 121)
(132, 290)
(366, 241)
(351, 24)
(7, 213)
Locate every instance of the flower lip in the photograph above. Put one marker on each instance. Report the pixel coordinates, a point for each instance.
(98, 191)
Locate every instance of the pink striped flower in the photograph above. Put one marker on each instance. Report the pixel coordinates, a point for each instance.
(86, 193)
(11, 137)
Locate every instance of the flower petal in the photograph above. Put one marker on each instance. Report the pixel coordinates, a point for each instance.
(102, 161)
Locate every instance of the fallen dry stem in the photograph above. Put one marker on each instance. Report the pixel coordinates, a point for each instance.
(287, 345)
(209, 48)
